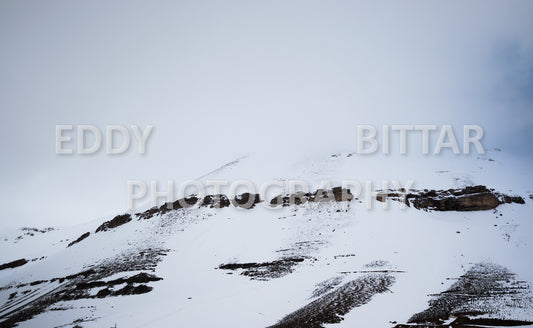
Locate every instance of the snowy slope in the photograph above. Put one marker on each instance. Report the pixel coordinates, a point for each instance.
(329, 261)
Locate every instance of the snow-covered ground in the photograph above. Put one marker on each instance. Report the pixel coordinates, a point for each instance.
(421, 253)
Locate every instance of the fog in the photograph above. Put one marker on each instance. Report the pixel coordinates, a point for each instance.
(219, 80)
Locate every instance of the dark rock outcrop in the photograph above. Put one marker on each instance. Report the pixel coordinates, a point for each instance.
(80, 238)
(13, 264)
(472, 198)
(148, 214)
(115, 222)
(246, 200)
(216, 201)
(336, 194)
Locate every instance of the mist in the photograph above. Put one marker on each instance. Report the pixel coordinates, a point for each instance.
(219, 80)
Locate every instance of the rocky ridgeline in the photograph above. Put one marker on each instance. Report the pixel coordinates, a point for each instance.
(115, 222)
(474, 198)
(245, 200)
(337, 194)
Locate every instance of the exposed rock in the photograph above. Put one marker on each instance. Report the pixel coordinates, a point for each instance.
(246, 200)
(115, 222)
(132, 290)
(186, 202)
(337, 194)
(102, 293)
(265, 270)
(297, 198)
(216, 201)
(483, 294)
(512, 199)
(138, 278)
(79, 285)
(13, 264)
(148, 214)
(80, 238)
(473, 198)
(331, 307)
(213, 201)
(44, 230)
(126, 290)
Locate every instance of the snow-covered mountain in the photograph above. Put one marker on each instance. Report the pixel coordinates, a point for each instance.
(458, 255)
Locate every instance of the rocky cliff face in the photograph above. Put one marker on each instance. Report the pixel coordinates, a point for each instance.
(472, 198)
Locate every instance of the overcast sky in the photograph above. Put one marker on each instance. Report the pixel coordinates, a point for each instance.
(220, 79)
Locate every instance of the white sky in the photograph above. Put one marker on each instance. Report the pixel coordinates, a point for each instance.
(220, 79)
